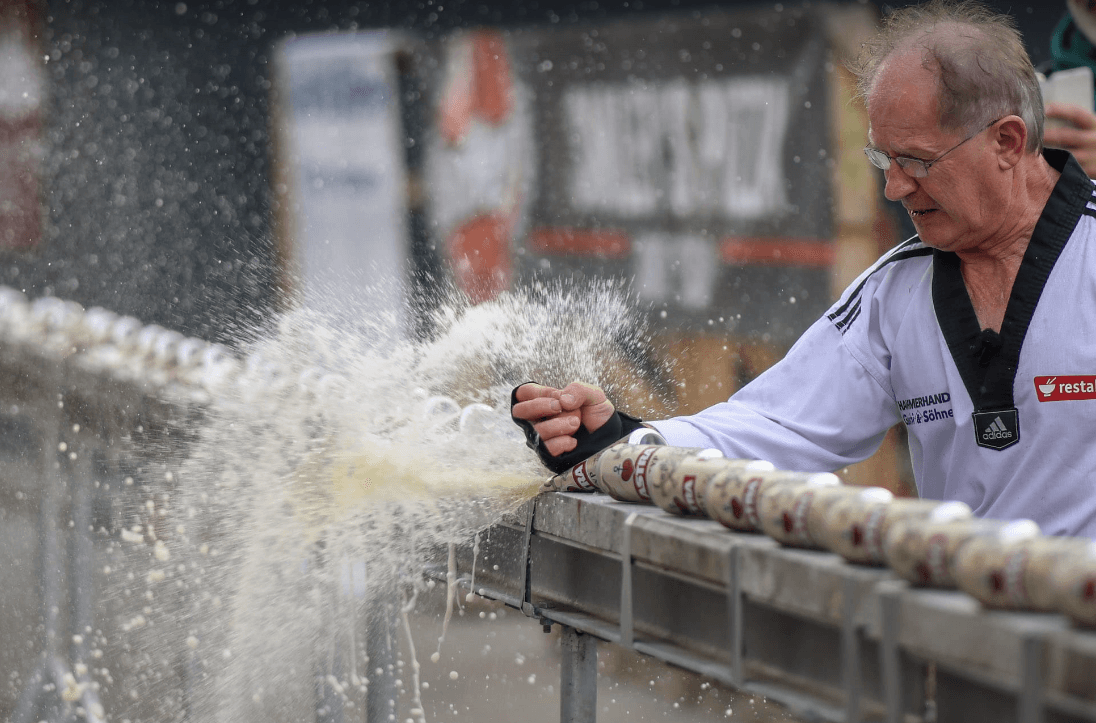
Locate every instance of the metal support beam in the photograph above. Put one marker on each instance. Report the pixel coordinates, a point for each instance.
(578, 677)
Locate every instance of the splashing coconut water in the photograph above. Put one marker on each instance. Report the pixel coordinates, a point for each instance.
(320, 484)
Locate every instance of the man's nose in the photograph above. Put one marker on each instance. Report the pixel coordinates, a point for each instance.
(899, 183)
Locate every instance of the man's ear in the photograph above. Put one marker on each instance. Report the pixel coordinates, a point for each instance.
(1009, 136)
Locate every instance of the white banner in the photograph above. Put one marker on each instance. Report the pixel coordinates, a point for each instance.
(347, 174)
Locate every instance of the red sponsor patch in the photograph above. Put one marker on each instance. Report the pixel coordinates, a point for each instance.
(1062, 389)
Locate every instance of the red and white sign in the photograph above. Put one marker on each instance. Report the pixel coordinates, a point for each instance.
(482, 164)
(21, 94)
(1064, 389)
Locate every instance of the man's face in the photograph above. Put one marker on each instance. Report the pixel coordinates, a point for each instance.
(960, 204)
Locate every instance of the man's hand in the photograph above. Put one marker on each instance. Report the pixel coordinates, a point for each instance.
(557, 413)
(1079, 137)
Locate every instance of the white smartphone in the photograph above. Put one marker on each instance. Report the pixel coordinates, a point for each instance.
(1071, 87)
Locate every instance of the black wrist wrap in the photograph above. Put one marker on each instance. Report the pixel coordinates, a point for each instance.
(618, 426)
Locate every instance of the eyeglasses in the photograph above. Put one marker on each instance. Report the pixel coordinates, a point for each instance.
(914, 167)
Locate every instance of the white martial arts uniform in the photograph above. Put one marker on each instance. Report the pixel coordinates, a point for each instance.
(903, 344)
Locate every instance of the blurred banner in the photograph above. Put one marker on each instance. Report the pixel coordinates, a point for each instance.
(689, 155)
(342, 190)
(22, 86)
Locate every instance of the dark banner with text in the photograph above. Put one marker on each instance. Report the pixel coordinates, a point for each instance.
(688, 155)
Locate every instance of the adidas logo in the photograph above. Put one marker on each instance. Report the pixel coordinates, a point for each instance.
(997, 430)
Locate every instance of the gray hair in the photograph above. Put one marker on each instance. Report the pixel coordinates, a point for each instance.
(983, 71)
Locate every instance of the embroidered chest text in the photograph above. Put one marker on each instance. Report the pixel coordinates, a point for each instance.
(929, 408)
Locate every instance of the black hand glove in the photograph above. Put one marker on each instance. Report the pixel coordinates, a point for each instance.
(618, 426)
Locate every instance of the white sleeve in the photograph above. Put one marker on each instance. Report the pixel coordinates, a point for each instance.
(818, 409)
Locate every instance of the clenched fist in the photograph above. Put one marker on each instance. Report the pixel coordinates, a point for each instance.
(557, 414)
(565, 426)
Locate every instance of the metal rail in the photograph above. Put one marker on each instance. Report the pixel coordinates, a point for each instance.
(829, 639)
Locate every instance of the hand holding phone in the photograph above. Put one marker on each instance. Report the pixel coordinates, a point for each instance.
(1070, 120)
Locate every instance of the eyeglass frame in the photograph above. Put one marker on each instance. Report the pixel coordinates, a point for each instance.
(908, 164)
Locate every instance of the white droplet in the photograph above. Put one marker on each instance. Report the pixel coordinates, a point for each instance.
(453, 675)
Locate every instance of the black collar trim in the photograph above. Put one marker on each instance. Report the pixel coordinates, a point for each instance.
(989, 377)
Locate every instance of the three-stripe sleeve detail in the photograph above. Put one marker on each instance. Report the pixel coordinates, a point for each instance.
(847, 313)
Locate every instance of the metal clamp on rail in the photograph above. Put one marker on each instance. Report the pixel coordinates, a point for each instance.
(526, 578)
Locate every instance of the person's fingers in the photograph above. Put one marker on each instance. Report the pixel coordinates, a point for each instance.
(578, 394)
(595, 408)
(560, 445)
(595, 415)
(1081, 118)
(536, 408)
(1068, 138)
(535, 391)
(559, 426)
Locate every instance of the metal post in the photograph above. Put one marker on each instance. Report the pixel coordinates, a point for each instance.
(850, 652)
(627, 629)
(34, 697)
(1031, 680)
(890, 662)
(381, 647)
(578, 677)
(329, 704)
(734, 616)
(81, 570)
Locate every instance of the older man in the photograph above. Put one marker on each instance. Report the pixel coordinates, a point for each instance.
(979, 333)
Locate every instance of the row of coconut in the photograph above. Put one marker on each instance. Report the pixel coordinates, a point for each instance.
(161, 361)
(1005, 565)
